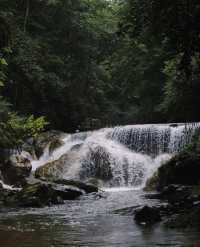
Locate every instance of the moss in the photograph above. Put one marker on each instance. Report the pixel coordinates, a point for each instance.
(183, 169)
(152, 183)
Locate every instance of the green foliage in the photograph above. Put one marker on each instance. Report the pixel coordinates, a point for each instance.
(90, 63)
(15, 130)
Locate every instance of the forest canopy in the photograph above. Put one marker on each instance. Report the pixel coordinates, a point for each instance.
(84, 64)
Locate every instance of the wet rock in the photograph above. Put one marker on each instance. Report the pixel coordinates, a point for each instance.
(16, 169)
(77, 147)
(6, 197)
(183, 169)
(37, 195)
(96, 182)
(67, 192)
(147, 215)
(186, 219)
(126, 211)
(44, 194)
(50, 138)
(97, 164)
(152, 183)
(52, 169)
(194, 244)
(174, 193)
(173, 125)
(28, 146)
(87, 188)
(56, 169)
(54, 144)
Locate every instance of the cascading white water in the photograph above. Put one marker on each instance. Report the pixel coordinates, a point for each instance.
(8, 187)
(122, 156)
(69, 141)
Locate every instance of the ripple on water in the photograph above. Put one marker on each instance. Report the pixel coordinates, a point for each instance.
(88, 222)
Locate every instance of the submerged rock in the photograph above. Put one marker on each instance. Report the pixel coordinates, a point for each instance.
(147, 215)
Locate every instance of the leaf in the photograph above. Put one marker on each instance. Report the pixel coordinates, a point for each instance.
(7, 50)
(1, 83)
(3, 61)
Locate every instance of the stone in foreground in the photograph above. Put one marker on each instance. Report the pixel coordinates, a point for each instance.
(147, 215)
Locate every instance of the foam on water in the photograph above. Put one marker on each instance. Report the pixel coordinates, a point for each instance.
(8, 187)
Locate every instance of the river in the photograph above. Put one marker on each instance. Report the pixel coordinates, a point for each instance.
(91, 221)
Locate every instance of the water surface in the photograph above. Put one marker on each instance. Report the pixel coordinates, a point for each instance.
(91, 221)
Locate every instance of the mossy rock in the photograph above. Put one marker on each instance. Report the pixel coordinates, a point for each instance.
(42, 194)
(37, 195)
(152, 183)
(182, 169)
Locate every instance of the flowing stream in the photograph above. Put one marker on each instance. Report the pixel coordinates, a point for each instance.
(122, 158)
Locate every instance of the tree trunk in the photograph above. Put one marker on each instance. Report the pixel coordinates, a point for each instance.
(26, 14)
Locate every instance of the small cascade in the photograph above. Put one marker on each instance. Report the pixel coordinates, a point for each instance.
(8, 187)
(124, 156)
(70, 141)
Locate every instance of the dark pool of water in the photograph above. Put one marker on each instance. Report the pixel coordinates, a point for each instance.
(88, 222)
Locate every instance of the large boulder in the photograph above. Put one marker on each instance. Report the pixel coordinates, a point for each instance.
(97, 164)
(41, 194)
(7, 196)
(182, 169)
(147, 215)
(57, 168)
(15, 169)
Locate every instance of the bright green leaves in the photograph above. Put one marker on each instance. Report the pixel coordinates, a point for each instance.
(34, 126)
(16, 129)
(1, 83)
(3, 61)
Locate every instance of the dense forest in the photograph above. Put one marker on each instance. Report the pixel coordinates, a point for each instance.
(84, 64)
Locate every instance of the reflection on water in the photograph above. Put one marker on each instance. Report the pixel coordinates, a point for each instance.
(88, 222)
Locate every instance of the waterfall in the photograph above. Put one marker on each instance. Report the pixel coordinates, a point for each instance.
(124, 156)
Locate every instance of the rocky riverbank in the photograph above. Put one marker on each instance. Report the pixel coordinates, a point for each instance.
(25, 188)
(176, 183)
(38, 193)
(178, 188)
